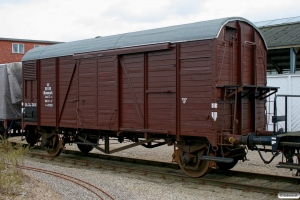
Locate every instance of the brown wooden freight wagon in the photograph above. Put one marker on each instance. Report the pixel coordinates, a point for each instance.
(200, 86)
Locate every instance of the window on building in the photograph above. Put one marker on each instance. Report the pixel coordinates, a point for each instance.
(38, 45)
(17, 48)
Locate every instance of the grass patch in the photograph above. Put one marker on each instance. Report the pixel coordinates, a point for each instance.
(10, 176)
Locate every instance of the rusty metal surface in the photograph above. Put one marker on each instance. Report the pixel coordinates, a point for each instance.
(196, 88)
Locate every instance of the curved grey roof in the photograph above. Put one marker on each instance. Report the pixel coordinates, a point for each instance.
(180, 33)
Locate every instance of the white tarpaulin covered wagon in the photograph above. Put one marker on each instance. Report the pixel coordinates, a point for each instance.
(10, 94)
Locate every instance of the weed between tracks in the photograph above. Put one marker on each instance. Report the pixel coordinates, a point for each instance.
(10, 176)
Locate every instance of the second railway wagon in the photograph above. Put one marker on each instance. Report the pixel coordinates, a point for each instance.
(198, 86)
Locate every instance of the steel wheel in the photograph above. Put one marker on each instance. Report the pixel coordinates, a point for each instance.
(57, 146)
(191, 168)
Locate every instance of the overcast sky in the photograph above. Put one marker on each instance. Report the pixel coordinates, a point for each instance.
(69, 20)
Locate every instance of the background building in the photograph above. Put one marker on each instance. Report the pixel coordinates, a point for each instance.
(12, 50)
(283, 40)
(283, 68)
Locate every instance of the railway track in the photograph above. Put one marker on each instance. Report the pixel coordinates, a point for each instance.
(273, 184)
(100, 193)
(250, 175)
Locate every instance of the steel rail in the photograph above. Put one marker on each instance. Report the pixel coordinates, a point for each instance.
(176, 176)
(235, 173)
(69, 178)
(123, 159)
(254, 175)
(250, 175)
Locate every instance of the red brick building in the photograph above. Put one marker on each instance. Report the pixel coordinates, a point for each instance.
(12, 50)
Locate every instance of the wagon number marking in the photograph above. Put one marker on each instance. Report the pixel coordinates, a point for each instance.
(48, 95)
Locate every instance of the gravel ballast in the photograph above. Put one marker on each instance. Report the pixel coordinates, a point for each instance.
(130, 186)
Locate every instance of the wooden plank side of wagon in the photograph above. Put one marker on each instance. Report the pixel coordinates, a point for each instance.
(196, 92)
(67, 78)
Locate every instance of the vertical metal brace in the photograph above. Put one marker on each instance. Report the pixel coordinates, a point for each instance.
(254, 73)
(275, 114)
(145, 88)
(240, 77)
(235, 108)
(118, 90)
(38, 93)
(285, 105)
(57, 92)
(106, 142)
(178, 119)
(292, 61)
